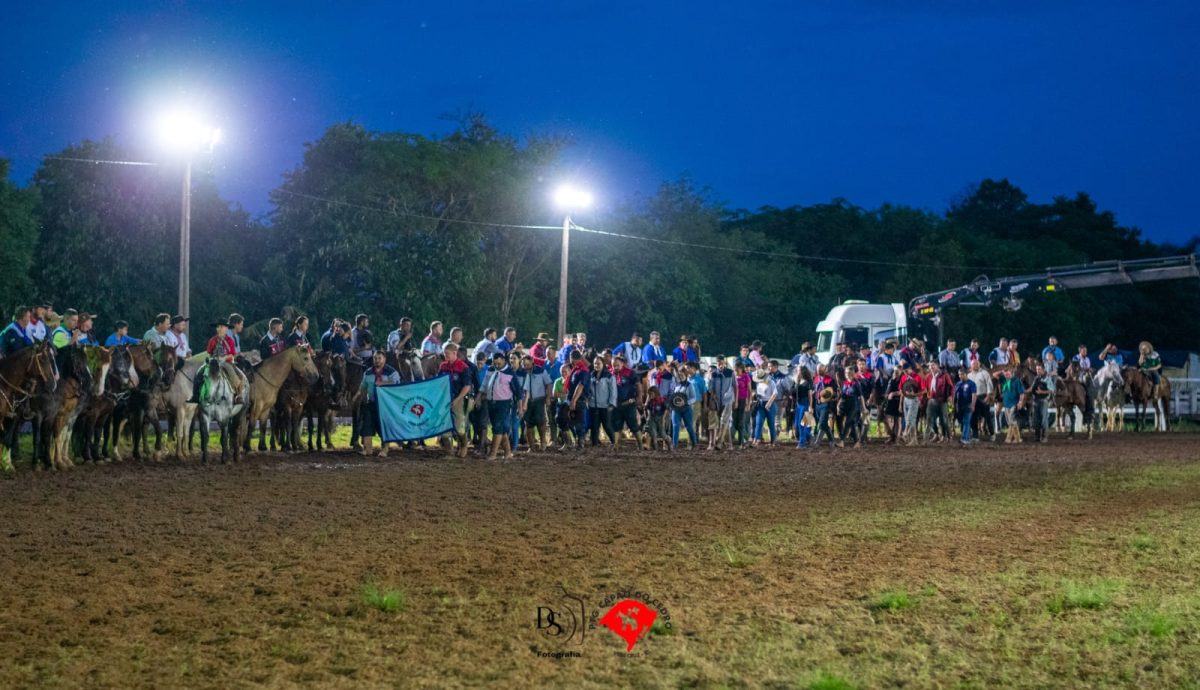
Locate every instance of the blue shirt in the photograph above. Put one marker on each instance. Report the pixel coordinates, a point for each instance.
(1058, 353)
(653, 353)
(963, 391)
(113, 340)
(504, 345)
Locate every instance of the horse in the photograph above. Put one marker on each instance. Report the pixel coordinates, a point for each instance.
(351, 400)
(1140, 388)
(76, 395)
(95, 417)
(1070, 394)
(269, 378)
(413, 365)
(324, 396)
(285, 416)
(1108, 389)
(176, 402)
(223, 401)
(22, 376)
(155, 368)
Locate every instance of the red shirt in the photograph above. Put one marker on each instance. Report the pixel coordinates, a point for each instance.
(940, 388)
(229, 350)
(538, 353)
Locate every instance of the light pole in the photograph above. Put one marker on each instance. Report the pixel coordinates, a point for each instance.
(568, 199)
(182, 133)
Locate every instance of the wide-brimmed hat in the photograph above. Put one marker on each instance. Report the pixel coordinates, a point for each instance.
(760, 374)
(179, 319)
(542, 336)
(220, 322)
(827, 394)
(84, 316)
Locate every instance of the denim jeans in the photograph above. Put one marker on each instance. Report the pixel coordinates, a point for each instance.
(685, 414)
(802, 431)
(822, 415)
(966, 424)
(764, 414)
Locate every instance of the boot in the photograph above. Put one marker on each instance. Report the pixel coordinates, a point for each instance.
(495, 447)
(463, 445)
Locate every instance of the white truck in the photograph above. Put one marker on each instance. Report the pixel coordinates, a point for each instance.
(856, 321)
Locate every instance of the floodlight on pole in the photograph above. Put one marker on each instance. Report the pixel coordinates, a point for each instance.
(183, 132)
(569, 199)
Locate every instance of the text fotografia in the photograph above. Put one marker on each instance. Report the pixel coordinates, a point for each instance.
(556, 655)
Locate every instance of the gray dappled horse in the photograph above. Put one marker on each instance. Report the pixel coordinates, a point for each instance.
(223, 399)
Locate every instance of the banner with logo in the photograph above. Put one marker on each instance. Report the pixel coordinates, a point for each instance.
(415, 410)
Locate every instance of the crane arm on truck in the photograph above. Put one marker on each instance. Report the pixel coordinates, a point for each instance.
(1011, 291)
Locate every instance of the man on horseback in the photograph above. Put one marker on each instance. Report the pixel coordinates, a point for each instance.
(401, 340)
(271, 343)
(37, 321)
(120, 335)
(15, 336)
(432, 344)
(221, 349)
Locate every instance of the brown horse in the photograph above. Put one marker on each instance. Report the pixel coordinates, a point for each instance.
(100, 408)
(22, 376)
(1070, 394)
(1140, 388)
(269, 378)
(324, 397)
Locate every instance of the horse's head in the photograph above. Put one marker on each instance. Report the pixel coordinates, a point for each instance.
(324, 364)
(123, 374)
(302, 362)
(166, 360)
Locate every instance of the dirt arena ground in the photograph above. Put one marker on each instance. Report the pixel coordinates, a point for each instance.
(1062, 565)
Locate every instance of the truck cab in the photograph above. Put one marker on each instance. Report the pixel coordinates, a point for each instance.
(860, 323)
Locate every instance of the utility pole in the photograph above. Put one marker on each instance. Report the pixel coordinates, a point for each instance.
(185, 241)
(562, 281)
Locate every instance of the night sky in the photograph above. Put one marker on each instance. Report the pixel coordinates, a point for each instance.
(767, 103)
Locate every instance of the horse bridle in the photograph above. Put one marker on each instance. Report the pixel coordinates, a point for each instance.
(26, 394)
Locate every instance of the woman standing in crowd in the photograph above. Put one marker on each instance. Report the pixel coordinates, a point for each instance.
(765, 393)
(380, 374)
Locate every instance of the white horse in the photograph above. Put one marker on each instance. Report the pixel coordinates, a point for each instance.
(224, 401)
(176, 401)
(1108, 390)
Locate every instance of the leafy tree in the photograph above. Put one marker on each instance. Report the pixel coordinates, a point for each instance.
(18, 236)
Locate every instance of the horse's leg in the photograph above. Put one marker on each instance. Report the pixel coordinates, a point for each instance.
(203, 437)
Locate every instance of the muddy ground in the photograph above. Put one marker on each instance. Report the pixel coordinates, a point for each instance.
(165, 575)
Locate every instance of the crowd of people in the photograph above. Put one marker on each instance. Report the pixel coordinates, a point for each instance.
(640, 394)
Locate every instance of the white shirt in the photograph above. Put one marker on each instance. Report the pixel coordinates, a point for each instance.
(765, 390)
(177, 341)
(983, 382)
(36, 331)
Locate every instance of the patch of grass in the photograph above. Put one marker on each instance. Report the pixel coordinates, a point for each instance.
(1151, 622)
(386, 600)
(1142, 542)
(891, 600)
(1092, 595)
(733, 555)
(828, 681)
(880, 535)
(659, 629)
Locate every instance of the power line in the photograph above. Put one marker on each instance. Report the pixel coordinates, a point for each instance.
(406, 214)
(93, 160)
(782, 255)
(677, 243)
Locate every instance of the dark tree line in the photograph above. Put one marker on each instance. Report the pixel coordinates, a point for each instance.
(397, 224)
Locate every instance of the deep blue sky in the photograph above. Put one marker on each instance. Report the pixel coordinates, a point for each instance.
(768, 103)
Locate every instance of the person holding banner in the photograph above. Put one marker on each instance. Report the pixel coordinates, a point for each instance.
(460, 387)
(380, 374)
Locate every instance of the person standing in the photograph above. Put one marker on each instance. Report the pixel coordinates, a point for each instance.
(487, 346)
(853, 405)
(380, 374)
(804, 401)
(941, 390)
(461, 386)
(602, 402)
(540, 351)
(681, 414)
(824, 395)
(984, 387)
(1042, 394)
(892, 403)
(500, 390)
(629, 396)
(537, 385)
(742, 384)
(765, 394)
(912, 389)
(964, 404)
(723, 388)
(1012, 399)
(579, 392)
(509, 340)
